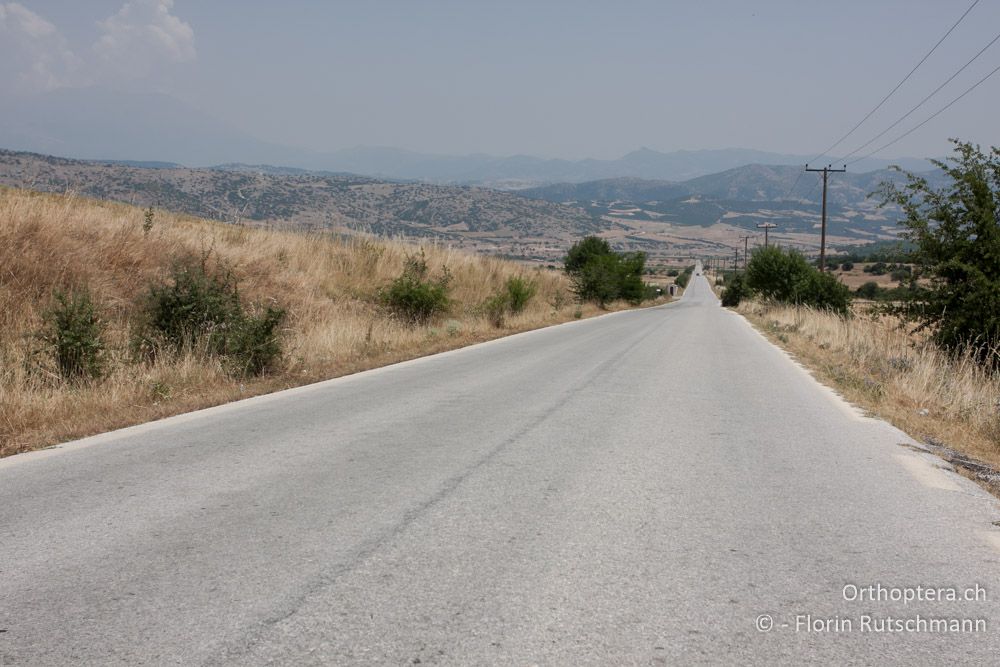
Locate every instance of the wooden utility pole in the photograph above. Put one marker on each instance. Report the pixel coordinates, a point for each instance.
(766, 226)
(746, 250)
(822, 234)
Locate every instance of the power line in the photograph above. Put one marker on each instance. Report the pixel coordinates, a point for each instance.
(921, 103)
(928, 119)
(898, 85)
(793, 185)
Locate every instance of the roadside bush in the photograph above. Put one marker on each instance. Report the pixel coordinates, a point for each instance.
(597, 280)
(73, 332)
(787, 276)
(600, 274)
(496, 308)
(736, 290)
(255, 344)
(413, 296)
(847, 266)
(585, 251)
(511, 300)
(684, 277)
(193, 307)
(824, 291)
(630, 271)
(520, 291)
(957, 245)
(201, 311)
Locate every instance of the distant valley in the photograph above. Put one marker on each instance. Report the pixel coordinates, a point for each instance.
(695, 217)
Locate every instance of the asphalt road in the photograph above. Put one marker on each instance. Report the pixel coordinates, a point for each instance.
(641, 488)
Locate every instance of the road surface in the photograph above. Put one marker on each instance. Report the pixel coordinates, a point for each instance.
(660, 486)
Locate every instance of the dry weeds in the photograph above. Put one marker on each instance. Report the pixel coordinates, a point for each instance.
(894, 374)
(329, 287)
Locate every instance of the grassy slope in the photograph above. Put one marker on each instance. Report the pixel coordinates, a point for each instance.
(892, 374)
(329, 287)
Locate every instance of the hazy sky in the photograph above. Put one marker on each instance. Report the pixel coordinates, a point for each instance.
(558, 78)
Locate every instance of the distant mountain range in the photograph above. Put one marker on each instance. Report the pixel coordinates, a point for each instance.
(149, 129)
(699, 216)
(740, 199)
(475, 219)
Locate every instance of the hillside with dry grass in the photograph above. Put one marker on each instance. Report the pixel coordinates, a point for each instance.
(475, 219)
(330, 289)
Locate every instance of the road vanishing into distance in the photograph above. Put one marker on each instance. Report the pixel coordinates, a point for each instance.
(660, 486)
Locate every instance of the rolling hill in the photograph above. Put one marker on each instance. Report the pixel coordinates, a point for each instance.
(476, 219)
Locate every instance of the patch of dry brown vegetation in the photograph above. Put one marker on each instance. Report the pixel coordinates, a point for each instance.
(329, 287)
(898, 376)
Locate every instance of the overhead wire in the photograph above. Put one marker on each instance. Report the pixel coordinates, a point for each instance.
(921, 102)
(898, 85)
(928, 119)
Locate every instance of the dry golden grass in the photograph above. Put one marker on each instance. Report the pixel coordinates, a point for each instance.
(335, 324)
(898, 376)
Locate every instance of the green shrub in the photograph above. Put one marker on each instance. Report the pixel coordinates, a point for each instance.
(201, 311)
(788, 277)
(194, 307)
(597, 280)
(877, 269)
(255, 343)
(673, 273)
(73, 331)
(413, 296)
(631, 267)
(496, 308)
(847, 266)
(600, 274)
(736, 290)
(583, 252)
(824, 291)
(956, 238)
(869, 290)
(684, 277)
(519, 292)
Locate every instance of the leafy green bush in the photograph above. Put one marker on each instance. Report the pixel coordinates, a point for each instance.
(600, 274)
(869, 290)
(519, 292)
(847, 266)
(788, 277)
(496, 308)
(684, 277)
(73, 330)
(630, 271)
(413, 296)
(194, 307)
(254, 344)
(673, 273)
(201, 311)
(583, 252)
(736, 290)
(957, 239)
